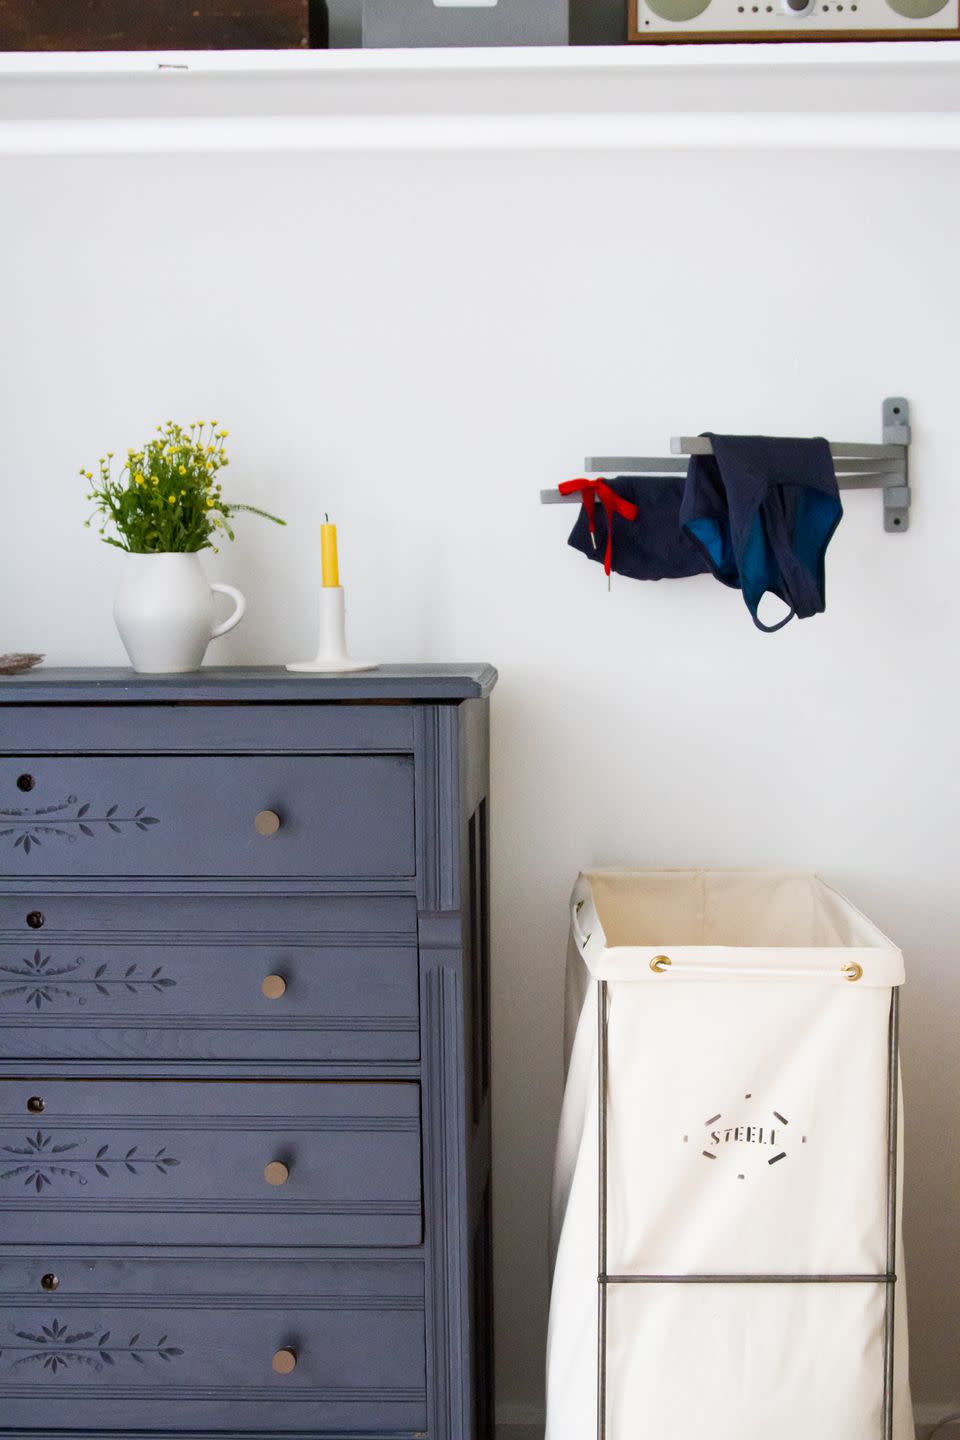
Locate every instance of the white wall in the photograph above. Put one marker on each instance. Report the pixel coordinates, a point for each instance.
(417, 343)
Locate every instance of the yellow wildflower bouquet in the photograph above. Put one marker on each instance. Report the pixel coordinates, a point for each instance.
(168, 496)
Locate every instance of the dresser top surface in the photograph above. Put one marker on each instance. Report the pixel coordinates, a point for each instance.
(247, 685)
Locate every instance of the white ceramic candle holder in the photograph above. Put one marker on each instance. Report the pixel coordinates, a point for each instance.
(332, 657)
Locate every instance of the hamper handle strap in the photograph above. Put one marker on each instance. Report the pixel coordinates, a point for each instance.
(575, 925)
(850, 971)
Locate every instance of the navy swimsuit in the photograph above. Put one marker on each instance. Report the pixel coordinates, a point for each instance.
(652, 547)
(763, 512)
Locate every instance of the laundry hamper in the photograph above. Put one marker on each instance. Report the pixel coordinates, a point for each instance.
(728, 1166)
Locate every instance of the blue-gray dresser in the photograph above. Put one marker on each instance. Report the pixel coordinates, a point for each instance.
(245, 1055)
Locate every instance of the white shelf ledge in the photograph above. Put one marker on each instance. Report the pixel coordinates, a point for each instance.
(874, 96)
(870, 56)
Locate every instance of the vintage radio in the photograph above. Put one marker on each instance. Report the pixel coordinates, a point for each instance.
(729, 20)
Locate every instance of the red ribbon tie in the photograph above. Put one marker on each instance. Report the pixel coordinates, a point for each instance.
(592, 490)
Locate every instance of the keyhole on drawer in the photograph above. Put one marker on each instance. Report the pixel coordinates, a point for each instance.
(36, 1104)
(35, 919)
(25, 782)
(50, 1282)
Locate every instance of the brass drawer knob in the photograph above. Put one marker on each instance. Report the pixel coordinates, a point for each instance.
(266, 822)
(273, 986)
(36, 1104)
(276, 1173)
(285, 1361)
(50, 1281)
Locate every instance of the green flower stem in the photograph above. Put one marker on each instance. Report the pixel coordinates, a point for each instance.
(168, 496)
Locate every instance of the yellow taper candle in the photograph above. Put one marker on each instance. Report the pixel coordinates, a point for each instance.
(330, 569)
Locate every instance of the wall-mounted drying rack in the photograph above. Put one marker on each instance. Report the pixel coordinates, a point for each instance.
(859, 467)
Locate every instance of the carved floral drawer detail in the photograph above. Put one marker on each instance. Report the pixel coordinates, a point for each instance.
(41, 981)
(43, 1164)
(52, 822)
(56, 1347)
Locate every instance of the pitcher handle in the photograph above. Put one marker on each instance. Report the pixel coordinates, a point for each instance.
(238, 614)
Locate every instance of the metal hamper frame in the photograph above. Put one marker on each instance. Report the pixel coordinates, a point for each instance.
(887, 1279)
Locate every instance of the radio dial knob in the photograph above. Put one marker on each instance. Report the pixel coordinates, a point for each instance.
(917, 9)
(677, 11)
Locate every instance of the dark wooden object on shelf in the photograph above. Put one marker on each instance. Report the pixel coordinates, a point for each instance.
(157, 24)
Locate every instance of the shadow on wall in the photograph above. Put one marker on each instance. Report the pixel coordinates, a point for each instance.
(592, 22)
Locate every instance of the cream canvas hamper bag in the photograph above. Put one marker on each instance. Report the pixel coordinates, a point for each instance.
(749, 1024)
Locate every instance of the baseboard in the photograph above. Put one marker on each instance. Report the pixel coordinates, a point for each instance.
(526, 1422)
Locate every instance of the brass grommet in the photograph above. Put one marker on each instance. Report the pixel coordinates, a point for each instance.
(852, 971)
(660, 964)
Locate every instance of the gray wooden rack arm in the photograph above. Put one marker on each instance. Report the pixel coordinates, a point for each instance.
(859, 467)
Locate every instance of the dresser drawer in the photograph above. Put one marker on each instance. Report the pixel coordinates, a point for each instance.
(332, 979)
(209, 1162)
(208, 815)
(178, 1346)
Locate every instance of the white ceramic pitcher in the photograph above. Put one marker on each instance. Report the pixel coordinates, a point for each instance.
(164, 611)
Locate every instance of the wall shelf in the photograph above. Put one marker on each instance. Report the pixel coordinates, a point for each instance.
(854, 96)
